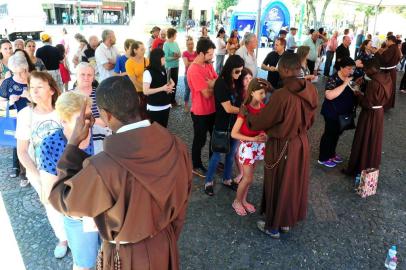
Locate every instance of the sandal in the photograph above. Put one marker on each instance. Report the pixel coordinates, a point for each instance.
(239, 209)
(249, 207)
(237, 179)
(208, 189)
(230, 184)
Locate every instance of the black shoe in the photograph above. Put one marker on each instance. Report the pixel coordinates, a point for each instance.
(208, 189)
(14, 172)
(200, 171)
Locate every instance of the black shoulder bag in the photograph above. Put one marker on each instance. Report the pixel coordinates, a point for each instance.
(220, 140)
(346, 121)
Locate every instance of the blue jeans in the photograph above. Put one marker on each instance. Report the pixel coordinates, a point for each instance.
(219, 63)
(84, 245)
(228, 164)
(187, 90)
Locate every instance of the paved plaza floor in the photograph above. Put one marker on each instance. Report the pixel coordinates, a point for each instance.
(342, 231)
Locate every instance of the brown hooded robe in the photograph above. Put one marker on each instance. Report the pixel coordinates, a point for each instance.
(136, 190)
(390, 58)
(367, 145)
(287, 117)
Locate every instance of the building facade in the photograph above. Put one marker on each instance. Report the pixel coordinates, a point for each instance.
(124, 11)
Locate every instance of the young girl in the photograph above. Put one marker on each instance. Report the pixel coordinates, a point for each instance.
(63, 67)
(242, 89)
(251, 148)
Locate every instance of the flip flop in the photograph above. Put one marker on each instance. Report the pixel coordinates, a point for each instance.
(239, 209)
(249, 207)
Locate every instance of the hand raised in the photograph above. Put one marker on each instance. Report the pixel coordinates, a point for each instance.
(82, 126)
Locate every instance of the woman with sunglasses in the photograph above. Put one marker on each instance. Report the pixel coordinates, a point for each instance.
(227, 102)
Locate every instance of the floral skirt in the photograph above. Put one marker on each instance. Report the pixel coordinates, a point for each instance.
(250, 152)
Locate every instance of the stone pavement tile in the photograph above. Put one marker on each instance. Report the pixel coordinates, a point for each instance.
(342, 231)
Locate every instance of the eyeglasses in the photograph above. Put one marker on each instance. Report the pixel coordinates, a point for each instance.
(236, 72)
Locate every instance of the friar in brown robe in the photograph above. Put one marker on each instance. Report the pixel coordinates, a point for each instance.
(367, 144)
(389, 57)
(136, 189)
(286, 120)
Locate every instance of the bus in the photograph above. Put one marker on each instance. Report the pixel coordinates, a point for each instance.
(21, 19)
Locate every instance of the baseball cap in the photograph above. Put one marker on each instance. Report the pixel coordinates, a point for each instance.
(45, 37)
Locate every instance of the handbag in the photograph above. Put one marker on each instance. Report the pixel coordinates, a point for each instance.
(346, 121)
(368, 182)
(220, 140)
(8, 126)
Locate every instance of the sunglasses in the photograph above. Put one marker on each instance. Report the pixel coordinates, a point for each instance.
(236, 72)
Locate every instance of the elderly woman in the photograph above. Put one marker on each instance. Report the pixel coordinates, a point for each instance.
(85, 85)
(33, 124)
(339, 101)
(30, 49)
(13, 93)
(83, 243)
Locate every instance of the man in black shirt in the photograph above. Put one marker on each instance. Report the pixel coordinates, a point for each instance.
(271, 61)
(343, 50)
(51, 57)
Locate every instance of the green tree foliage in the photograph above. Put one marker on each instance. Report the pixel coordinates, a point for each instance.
(222, 5)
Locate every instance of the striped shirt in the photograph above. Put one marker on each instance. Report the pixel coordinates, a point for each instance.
(95, 110)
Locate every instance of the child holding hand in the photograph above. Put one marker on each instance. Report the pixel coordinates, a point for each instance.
(252, 145)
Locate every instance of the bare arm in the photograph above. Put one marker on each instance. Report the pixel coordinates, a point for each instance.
(230, 108)
(47, 181)
(332, 94)
(235, 132)
(108, 66)
(25, 159)
(150, 91)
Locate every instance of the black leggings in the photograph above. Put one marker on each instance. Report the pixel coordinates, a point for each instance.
(329, 140)
(160, 117)
(403, 82)
(174, 77)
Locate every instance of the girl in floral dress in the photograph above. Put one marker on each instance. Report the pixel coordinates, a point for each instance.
(252, 145)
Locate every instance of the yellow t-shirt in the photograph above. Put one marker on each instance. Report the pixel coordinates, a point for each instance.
(136, 69)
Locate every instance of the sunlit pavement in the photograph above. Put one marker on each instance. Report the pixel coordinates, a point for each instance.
(342, 231)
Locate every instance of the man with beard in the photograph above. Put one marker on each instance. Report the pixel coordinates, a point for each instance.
(286, 119)
(106, 55)
(201, 78)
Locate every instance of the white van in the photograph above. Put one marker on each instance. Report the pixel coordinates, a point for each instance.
(21, 19)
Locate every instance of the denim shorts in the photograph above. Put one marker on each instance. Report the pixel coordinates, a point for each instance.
(84, 245)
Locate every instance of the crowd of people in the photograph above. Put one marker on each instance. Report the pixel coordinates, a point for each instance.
(115, 182)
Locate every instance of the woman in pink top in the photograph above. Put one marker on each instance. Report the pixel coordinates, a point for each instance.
(188, 57)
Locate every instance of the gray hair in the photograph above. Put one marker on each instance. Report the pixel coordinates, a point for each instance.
(248, 37)
(17, 60)
(83, 65)
(106, 33)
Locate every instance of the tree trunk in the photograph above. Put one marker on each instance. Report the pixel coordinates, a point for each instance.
(185, 14)
(313, 12)
(323, 12)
